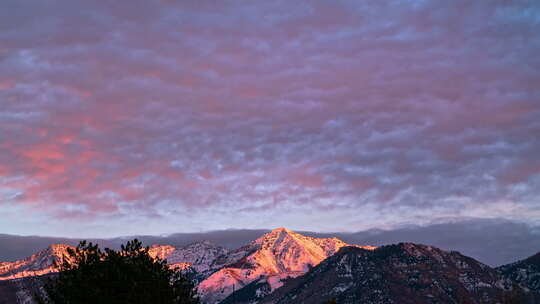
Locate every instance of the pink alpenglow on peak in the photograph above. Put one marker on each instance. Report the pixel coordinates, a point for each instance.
(274, 256)
(44, 262)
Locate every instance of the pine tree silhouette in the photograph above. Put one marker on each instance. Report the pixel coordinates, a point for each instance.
(128, 275)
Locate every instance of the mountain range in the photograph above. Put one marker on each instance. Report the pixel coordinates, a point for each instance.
(403, 273)
(472, 237)
(283, 266)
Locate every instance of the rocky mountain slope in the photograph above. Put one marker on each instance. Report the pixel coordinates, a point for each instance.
(22, 290)
(525, 272)
(402, 273)
(266, 262)
(201, 258)
(44, 262)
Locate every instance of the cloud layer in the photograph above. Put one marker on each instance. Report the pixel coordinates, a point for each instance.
(475, 238)
(161, 116)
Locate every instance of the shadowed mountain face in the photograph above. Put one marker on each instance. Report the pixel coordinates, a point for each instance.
(525, 272)
(21, 291)
(403, 273)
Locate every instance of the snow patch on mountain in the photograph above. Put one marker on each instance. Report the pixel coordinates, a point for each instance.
(201, 256)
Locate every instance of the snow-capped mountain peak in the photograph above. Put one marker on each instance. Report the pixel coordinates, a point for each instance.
(274, 256)
(282, 250)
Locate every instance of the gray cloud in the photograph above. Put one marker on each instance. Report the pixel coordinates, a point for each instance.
(301, 114)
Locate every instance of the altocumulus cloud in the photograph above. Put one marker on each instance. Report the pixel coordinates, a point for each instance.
(317, 115)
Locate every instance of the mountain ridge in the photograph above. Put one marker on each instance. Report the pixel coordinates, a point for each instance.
(525, 272)
(43, 262)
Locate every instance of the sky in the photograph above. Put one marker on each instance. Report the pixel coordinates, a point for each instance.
(160, 116)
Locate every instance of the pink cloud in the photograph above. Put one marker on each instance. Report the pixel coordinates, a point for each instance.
(258, 107)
